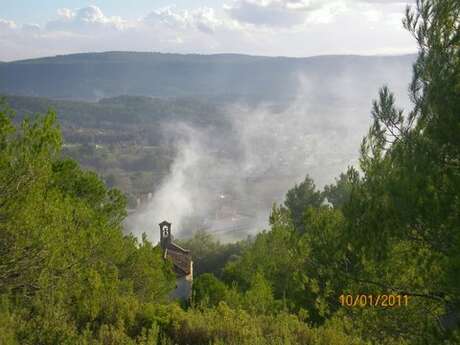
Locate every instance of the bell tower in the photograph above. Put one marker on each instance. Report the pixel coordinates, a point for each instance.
(165, 234)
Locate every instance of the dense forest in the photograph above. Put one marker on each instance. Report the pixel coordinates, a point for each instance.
(92, 76)
(123, 138)
(68, 274)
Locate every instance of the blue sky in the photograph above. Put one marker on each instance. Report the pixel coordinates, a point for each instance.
(259, 27)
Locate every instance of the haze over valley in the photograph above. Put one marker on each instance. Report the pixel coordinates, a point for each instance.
(207, 141)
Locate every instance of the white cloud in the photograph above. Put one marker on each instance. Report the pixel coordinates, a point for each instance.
(203, 19)
(7, 25)
(277, 13)
(259, 27)
(167, 16)
(87, 19)
(8, 30)
(294, 13)
(65, 13)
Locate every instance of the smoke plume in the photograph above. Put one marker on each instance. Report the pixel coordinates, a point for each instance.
(224, 179)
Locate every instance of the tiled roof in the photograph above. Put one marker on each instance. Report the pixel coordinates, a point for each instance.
(180, 257)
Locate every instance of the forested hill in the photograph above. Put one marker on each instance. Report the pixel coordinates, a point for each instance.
(93, 76)
(123, 138)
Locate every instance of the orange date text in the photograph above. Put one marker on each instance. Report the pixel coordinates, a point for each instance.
(383, 301)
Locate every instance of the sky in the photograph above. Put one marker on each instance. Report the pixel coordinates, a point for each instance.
(30, 28)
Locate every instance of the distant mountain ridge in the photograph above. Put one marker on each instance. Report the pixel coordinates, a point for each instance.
(92, 76)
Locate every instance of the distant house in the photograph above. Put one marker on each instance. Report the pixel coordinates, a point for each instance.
(182, 262)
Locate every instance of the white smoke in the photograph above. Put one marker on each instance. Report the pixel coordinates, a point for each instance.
(225, 180)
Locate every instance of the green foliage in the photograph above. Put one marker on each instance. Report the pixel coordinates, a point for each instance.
(338, 194)
(225, 325)
(209, 290)
(393, 228)
(299, 198)
(403, 214)
(259, 298)
(280, 245)
(209, 255)
(302, 272)
(67, 271)
(68, 275)
(409, 194)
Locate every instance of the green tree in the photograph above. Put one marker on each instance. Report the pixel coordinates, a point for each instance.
(403, 214)
(259, 298)
(338, 194)
(299, 198)
(209, 290)
(209, 254)
(68, 274)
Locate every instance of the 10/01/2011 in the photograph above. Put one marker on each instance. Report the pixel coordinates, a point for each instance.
(384, 300)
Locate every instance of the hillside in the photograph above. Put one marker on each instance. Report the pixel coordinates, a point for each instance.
(247, 125)
(123, 138)
(92, 76)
